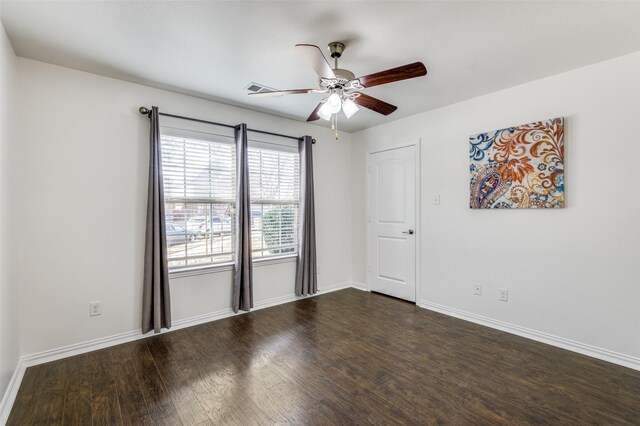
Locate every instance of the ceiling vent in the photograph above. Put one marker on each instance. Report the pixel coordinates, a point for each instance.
(258, 88)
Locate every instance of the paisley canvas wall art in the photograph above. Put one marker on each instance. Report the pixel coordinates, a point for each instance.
(518, 167)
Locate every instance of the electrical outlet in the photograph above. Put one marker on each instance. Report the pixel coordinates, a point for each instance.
(477, 289)
(95, 308)
(436, 199)
(503, 294)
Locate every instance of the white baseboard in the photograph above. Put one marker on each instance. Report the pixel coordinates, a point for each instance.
(359, 286)
(333, 287)
(129, 336)
(104, 342)
(539, 336)
(11, 392)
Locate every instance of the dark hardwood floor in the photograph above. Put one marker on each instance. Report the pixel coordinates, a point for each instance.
(347, 357)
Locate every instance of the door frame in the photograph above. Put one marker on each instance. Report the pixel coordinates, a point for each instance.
(411, 143)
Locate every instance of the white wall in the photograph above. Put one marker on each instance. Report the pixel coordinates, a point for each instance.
(9, 298)
(572, 273)
(82, 178)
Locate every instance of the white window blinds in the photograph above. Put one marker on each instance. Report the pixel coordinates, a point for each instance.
(198, 169)
(274, 180)
(199, 183)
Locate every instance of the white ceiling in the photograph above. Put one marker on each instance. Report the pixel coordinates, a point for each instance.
(215, 49)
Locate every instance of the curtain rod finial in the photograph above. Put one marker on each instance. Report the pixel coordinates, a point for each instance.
(144, 110)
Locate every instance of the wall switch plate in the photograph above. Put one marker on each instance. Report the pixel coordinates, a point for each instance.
(436, 199)
(477, 289)
(503, 294)
(95, 308)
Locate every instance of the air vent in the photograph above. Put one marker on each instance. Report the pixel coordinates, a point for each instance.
(258, 88)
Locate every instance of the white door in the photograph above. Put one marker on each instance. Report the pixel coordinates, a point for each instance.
(392, 220)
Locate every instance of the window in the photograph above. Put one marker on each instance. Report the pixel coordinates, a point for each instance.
(200, 191)
(274, 179)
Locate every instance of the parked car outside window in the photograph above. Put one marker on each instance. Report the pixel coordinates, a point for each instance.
(215, 225)
(220, 225)
(198, 225)
(176, 234)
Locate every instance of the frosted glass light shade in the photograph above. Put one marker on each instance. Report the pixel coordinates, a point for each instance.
(349, 107)
(325, 111)
(334, 103)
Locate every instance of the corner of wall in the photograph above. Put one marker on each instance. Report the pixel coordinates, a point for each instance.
(9, 303)
(357, 272)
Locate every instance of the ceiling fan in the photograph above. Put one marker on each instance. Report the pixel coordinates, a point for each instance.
(343, 88)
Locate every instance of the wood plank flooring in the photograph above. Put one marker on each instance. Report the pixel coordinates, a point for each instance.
(347, 357)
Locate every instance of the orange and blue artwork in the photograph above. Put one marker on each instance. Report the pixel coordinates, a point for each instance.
(519, 167)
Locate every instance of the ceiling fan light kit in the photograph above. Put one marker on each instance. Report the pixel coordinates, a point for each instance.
(349, 108)
(324, 112)
(333, 102)
(343, 87)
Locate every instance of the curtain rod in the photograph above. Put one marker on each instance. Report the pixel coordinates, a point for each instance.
(146, 111)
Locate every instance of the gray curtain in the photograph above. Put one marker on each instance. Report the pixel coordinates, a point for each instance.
(156, 302)
(243, 271)
(306, 271)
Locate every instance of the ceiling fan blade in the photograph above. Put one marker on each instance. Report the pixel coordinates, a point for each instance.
(317, 60)
(381, 107)
(417, 69)
(314, 115)
(283, 92)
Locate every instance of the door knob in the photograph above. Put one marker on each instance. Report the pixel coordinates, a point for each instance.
(410, 232)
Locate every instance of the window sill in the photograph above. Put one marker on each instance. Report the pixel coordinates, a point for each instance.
(225, 267)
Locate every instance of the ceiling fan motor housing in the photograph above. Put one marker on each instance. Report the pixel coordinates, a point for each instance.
(343, 74)
(342, 80)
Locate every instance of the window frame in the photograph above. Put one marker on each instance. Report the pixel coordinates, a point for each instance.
(291, 148)
(268, 143)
